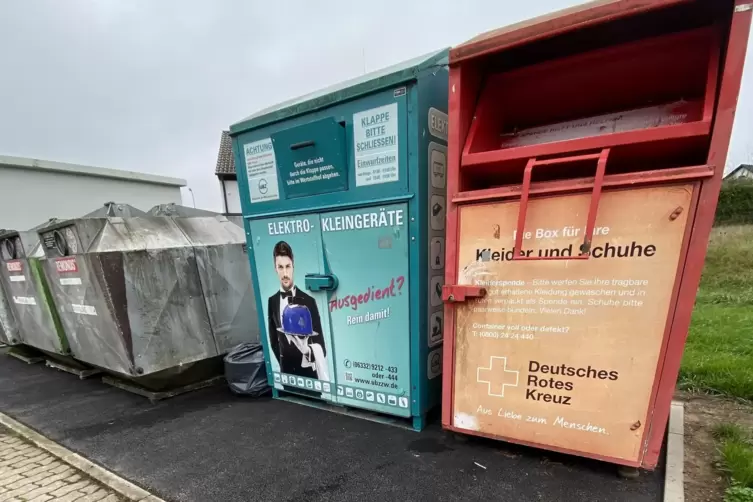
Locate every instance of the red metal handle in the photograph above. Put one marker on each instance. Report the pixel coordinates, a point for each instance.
(585, 249)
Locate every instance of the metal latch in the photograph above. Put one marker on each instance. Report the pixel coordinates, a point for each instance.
(458, 293)
(321, 282)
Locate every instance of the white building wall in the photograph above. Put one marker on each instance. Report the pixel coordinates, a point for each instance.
(232, 196)
(29, 197)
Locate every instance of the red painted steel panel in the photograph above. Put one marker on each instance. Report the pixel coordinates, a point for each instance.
(574, 18)
(468, 107)
(731, 78)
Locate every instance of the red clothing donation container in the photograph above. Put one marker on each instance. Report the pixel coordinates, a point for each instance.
(586, 153)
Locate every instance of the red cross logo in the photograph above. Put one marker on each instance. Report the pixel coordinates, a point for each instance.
(497, 376)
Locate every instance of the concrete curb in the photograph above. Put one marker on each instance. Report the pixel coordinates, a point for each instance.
(674, 483)
(112, 481)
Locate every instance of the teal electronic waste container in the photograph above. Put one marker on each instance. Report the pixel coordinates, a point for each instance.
(343, 197)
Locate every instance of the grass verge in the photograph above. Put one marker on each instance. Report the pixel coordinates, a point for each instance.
(736, 451)
(719, 352)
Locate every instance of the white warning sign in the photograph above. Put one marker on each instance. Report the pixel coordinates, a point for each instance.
(261, 169)
(375, 140)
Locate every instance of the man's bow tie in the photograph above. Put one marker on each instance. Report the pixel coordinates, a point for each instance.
(286, 294)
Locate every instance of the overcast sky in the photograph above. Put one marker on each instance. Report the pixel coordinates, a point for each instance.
(148, 85)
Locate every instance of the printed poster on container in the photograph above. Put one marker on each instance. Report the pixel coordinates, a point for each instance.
(375, 138)
(296, 324)
(349, 342)
(367, 249)
(261, 170)
(563, 353)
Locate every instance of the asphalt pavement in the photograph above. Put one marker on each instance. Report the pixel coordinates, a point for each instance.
(211, 446)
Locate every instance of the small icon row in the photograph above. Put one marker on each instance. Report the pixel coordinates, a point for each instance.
(372, 397)
(304, 383)
(364, 395)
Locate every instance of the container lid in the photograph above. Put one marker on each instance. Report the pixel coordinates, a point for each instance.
(28, 237)
(108, 210)
(349, 89)
(217, 231)
(178, 211)
(111, 209)
(19, 244)
(555, 23)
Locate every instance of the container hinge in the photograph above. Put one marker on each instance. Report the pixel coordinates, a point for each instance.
(743, 7)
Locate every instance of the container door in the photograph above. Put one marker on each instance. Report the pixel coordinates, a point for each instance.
(22, 282)
(367, 251)
(288, 257)
(563, 352)
(96, 336)
(26, 296)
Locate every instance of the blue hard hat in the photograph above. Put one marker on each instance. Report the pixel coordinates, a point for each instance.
(296, 320)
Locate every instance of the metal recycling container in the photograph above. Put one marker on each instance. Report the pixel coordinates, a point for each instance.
(586, 155)
(31, 317)
(222, 261)
(130, 292)
(343, 197)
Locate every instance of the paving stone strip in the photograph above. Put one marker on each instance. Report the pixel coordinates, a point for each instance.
(28, 473)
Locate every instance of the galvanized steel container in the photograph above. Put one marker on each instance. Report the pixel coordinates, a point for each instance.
(9, 333)
(8, 326)
(28, 314)
(222, 261)
(130, 291)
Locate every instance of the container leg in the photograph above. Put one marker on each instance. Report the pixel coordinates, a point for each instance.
(419, 422)
(275, 393)
(628, 472)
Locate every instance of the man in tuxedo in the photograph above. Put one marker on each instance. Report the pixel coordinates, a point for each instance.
(296, 354)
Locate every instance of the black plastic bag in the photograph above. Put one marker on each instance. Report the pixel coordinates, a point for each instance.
(245, 371)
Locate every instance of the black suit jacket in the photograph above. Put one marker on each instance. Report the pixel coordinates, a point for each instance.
(287, 354)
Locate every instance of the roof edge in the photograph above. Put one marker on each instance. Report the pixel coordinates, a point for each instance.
(740, 167)
(95, 172)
